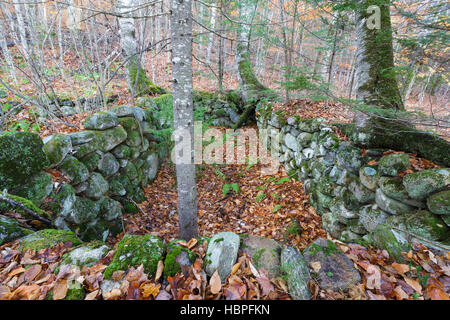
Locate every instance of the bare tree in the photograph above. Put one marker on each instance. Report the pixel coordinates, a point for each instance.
(183, 115)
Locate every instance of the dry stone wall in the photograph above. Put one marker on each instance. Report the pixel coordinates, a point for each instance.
(106, 166)
(354, 198)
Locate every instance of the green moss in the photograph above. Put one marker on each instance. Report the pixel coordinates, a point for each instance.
(257, 257)
(171, 266)
(132, 251)
(21, 156)
(4, 206)
(138, 79)
(48, 238)
(328, 250)
(10, 230)
(75, 291)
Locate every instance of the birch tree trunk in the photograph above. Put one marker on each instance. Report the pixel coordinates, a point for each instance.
(138, 82)
(375, 75)
(183, 116)
(211, 35)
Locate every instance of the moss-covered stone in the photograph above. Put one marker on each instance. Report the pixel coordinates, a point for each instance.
(132, 251)
(101, 121)
(369, 177)
(57, 149)
(109, 209)
(383, 238)
(349, 157)
(129, 124)
(37, 189)
(134, 139)
(48, 238)
(103, 141)
(427, 225)
(420, 185)
(21, 156)
(91, 161)
(97, 186)
(439, 203)
(86, 255)
(10, 230)
(75, 170)
(108, 165)
(177, 257)
(122, 152)
(392, 164)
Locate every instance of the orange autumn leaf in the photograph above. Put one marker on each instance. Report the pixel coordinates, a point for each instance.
(215, 283)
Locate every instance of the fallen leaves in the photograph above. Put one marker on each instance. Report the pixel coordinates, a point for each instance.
(215, 283)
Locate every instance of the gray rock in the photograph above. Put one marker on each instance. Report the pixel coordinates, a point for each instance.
(308, 153)
(291, 142)
(394, 189)
(127, 111)
(103, 141)
(337, 207)
(109, 209)
(82, 211)
(332, 225)
(309, 125)
(85, 256)
(305, 139)
(420, 185)
(361, 193)
(391, 164)
(439, 203)
(369, 177)
(81, 137)
(390, 205)
(264, 252)
(383, 238)
(297, 273)
(97, 187)
(101, 121)
(349, 157)
(337, 271)
(222, 253)
(75, 170)
(122, 152)
(57, 148)
(292, 121)
(11, 230)
(370, 217)
(108, 165)
(151, 166)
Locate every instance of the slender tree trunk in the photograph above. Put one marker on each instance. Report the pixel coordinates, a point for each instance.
(183, 115)
(376, 82)
(211, 35)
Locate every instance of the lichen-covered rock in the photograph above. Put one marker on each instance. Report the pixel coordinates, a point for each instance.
(57, 148)
(97, 186)
(390, 205)
(151, 166)
(129, 171)
(294, 266)
(85, 255)
(439, 203)
(122, 152)
(129, 124)
(37, 189)
(81, 211)
(82, 137)
(21, 156)
(423, 224)
(264, 252)
(356, 226)
(392, 164)
(349, 157)
(109, 209)
(108, 165)
(332, 225)
(48, 238)
(336, 270)
(369, 176)
(101, 121)
(91, 161)
(395, 189)
(361, 193)
(222, 253)
(291, 142)
(127, 111)
(132, 251)
(420, 185)
(103, 141)
(178, 259)
(75, 170)
(370, 217)
(309, 125)
(10, 230)
(134, 139)
(383, 238)
(341, 213)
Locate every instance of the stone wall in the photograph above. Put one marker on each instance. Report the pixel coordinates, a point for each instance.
(105, 167)
(354, 197)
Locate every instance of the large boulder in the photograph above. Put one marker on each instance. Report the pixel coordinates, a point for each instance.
(394, 189)
(420, 185)
(57, 148)
(264, 252)
(101, 121)
(222, 253)
(336, 270)
(132, 251)
(21, 156)
(294, 266)
(10, 230)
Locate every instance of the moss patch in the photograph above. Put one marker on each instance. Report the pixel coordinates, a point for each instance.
(48, 238)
